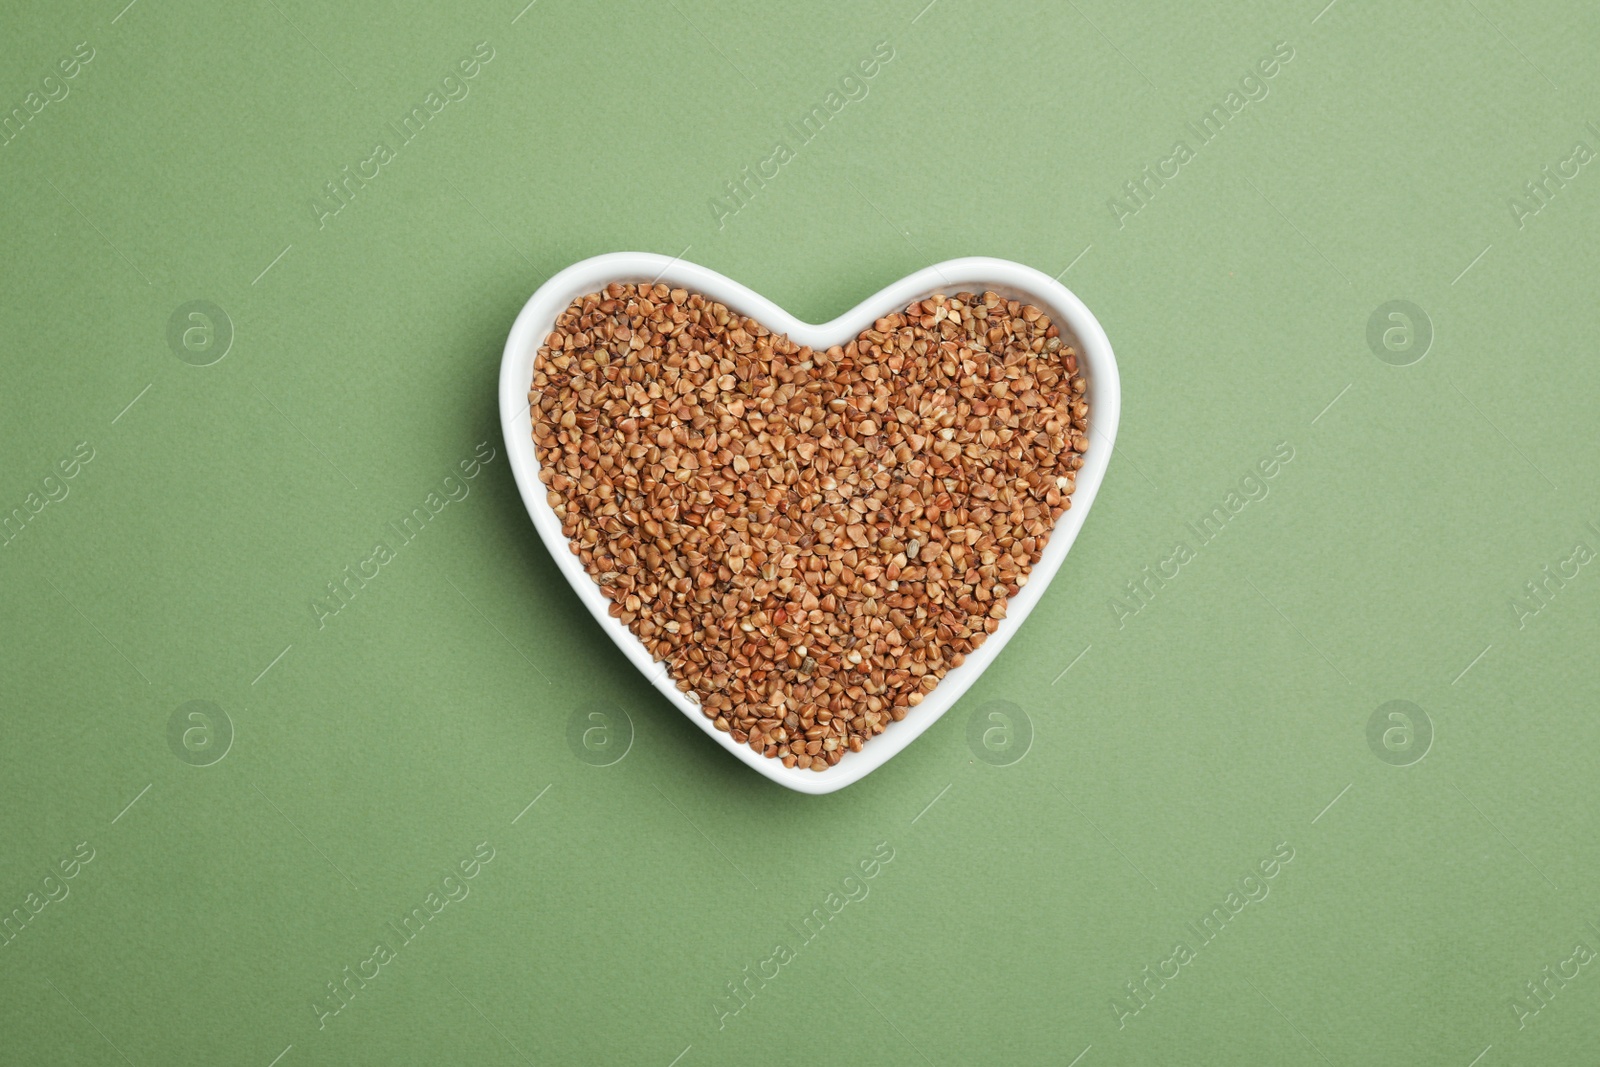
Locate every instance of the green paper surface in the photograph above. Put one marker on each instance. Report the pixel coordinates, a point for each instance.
(1182, 819)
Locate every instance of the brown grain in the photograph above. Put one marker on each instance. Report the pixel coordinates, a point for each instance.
(810, 540)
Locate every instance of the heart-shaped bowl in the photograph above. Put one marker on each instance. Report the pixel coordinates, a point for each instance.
(975, 274)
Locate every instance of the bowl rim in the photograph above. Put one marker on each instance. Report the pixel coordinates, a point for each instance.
(1097, 364)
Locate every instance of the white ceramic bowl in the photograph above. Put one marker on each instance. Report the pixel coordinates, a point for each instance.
(976, 274)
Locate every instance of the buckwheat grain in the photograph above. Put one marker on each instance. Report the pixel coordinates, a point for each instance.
(810, 540)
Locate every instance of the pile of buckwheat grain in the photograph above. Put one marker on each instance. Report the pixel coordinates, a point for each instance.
(808, 539)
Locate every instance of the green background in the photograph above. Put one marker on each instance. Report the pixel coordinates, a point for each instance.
(370, 754)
